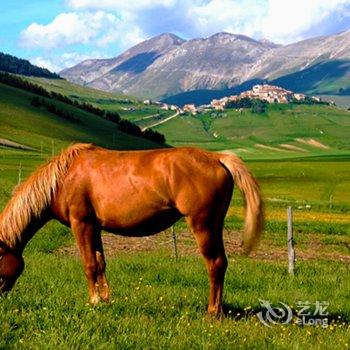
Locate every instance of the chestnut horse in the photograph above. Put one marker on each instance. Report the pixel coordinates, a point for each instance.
(131, 193)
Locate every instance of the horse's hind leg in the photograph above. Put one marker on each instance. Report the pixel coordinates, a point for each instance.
(211, 246)
(216, 261)
(84, 234)
(101, 268)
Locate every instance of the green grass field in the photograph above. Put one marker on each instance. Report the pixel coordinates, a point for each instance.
(281, 132)
(158, 302)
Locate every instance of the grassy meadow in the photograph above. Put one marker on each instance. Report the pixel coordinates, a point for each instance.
(158, 302)
(278, 133)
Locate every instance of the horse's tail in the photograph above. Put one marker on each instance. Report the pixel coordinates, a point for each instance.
(254, 217)
(35, 195)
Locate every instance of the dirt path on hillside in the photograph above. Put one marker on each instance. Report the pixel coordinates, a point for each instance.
(147, 117)
(270, 148)
(313, 143)
(8, 143)
(161, 122)
(292, 147)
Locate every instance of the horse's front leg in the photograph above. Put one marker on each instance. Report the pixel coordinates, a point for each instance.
(101, 268)
(84, 235)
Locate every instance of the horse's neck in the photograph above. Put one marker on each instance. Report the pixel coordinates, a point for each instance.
(33, 227)
(26, 233)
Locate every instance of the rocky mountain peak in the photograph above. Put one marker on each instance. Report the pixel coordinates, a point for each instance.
(269, 43)
(230, 37)
(167, 64)
(170, 37)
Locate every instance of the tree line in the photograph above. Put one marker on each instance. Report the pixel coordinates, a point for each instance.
(52, 108)
(310, 101)
(123, 124)
(12, 64)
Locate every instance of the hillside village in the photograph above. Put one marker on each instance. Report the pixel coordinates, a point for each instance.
(263, 92)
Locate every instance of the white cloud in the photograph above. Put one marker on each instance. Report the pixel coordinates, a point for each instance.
(119, 5)
(283, 21)
(69, 28)
(45, 63)
(280, 21)
(125, 38)
(287, 21)
(243, 17)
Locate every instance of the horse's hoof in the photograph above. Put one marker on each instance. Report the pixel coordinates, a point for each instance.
(216, 311)
(105, 298)
(94, 300)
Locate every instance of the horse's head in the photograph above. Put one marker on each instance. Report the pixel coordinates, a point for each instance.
(11, 267)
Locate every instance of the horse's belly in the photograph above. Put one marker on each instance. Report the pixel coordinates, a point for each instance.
(140, 221)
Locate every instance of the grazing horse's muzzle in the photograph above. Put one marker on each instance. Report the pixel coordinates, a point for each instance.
(6, 285)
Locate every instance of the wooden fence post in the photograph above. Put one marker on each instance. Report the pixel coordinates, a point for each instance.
(174, 241)
(20, 173)
(330, 202)
(290, 242)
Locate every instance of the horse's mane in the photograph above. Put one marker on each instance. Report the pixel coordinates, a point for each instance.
(34, 195)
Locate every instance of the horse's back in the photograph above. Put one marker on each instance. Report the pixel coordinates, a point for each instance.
(126, 189)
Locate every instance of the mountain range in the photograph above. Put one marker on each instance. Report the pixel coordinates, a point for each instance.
(167, 66)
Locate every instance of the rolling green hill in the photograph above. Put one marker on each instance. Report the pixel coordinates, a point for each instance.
(283, 131)
(25, 124)
(127, 106)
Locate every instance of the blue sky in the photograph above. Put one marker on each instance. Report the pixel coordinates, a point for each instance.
(60, 33)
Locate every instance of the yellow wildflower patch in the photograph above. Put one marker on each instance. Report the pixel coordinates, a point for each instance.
(298, 215)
